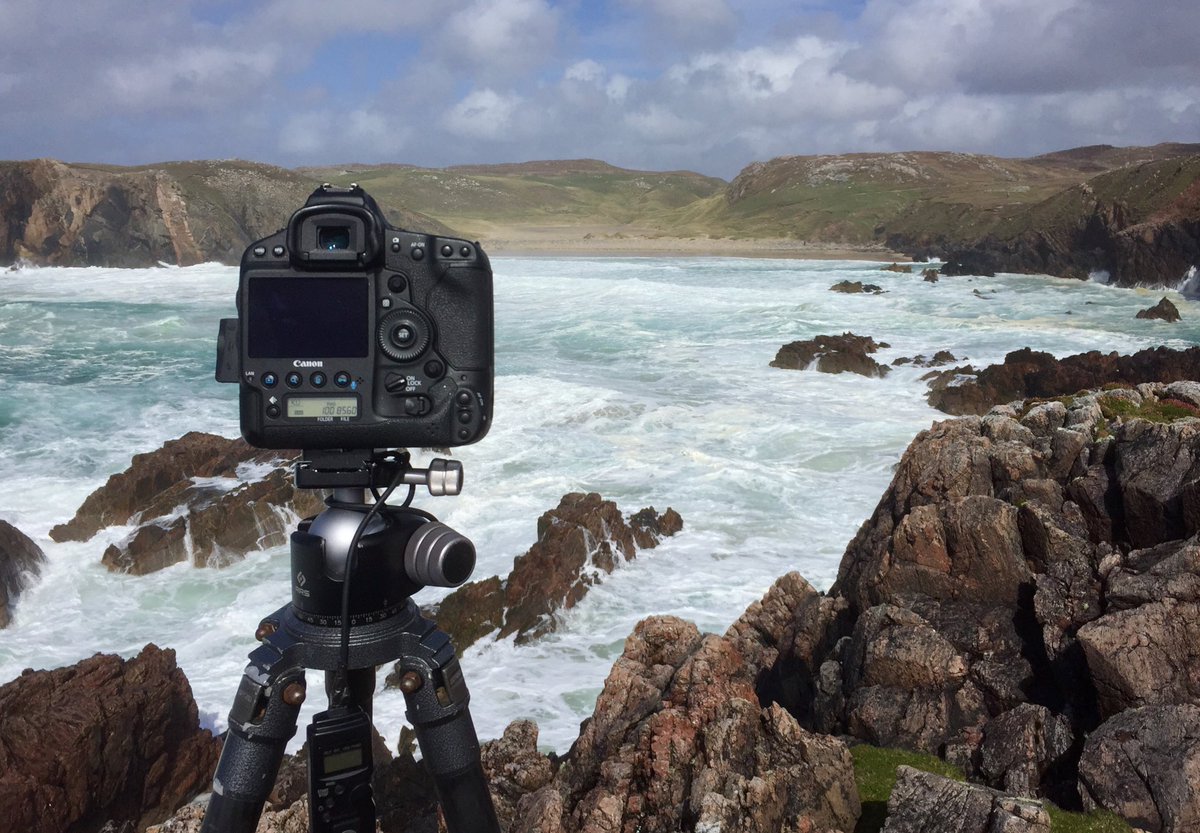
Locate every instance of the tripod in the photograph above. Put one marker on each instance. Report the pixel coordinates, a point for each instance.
(354, 568)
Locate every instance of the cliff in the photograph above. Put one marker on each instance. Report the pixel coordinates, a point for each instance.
(56, 214)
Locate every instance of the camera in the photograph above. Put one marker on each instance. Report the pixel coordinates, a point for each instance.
(352, 333)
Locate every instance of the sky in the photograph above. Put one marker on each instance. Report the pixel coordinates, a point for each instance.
(703, 85)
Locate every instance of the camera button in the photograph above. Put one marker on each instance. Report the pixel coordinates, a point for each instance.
(447, 250)
(417, 253)
(397, 283)
(434, 369)
(342, 379)
(464, 398)
(465, 251)
(464, 417)
(273, 411)
(260, 251)
(317, 379)
(278, 251)
(294, 380)
(269, 380)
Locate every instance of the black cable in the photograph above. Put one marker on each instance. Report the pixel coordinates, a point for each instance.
(341, 687)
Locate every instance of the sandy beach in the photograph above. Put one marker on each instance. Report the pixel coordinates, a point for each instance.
(607, 242)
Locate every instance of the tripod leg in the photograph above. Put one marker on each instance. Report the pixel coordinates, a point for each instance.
(437, 700)
(261, 722)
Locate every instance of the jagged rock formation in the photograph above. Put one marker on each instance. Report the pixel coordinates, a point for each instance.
(20, 558)
(580, 540)
(201, 498)
(833, 354)
(104, 740)
(1031, 373)
(56, 214)
(1029, 577)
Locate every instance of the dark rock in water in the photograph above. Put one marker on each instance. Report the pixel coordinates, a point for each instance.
(923, 802)
(833, 354)
(1144, 764)
(856, 287)
(201, 498)
(1164, 310)
(940, 359)
(1030, 373)
(583, 537)
(20, 559)
(980, 263)
(930, 275)
(903, 268)
(106, 739)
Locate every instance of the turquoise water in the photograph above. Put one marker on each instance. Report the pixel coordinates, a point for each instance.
(646, 380)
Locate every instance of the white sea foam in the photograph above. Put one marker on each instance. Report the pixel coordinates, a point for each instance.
(645, 380)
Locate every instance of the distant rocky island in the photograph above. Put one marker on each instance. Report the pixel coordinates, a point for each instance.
(1128, 215)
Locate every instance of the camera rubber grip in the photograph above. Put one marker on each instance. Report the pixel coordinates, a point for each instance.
(461, 306)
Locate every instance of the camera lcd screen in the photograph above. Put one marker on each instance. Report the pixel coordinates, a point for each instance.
(313, 407)
(342, 760)
(317, 317)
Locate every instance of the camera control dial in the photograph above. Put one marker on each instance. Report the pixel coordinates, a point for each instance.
(404, 334)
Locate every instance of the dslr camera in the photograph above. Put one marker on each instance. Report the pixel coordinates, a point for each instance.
(352, 333)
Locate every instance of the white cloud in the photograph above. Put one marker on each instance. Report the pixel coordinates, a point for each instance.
(502, 36)
(483, 114)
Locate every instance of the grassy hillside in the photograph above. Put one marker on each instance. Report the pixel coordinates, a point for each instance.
(494, 200)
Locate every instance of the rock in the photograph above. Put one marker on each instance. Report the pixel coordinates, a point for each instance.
(677, 733)
(20, 560)
(1026, 750)
(856, 287)
(926, 803)
(903, 268)
(833, 354)
(1027, 373)
(930, 275)
(1144, 764)
(201, 498)
(582, 539)
(516, 770)
(106, 739)
(1164, 310)
(940, 359)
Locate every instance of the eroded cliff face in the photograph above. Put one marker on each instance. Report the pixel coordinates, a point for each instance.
(56, 214)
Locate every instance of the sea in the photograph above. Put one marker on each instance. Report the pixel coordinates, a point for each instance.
(646, 380)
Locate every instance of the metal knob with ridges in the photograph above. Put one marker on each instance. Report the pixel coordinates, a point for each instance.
(438, 556)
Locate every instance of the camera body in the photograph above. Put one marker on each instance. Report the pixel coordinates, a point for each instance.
(354, 334)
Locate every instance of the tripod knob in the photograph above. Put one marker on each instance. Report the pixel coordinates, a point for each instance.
(443, 477)
(438, 556)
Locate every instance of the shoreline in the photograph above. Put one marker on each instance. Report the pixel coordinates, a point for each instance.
(635, 245)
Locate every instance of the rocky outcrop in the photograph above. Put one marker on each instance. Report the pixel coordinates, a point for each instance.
(1028, 578)
(926, 803)
(201, 498)
(104, 740)
(833, 354)
(20, 560)
(1029, 373)
(56, 214)
(1164, 310)
(581, 540)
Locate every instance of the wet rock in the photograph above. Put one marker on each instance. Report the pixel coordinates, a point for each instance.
(833, 354)
(106, 739)
(926, 803)
(1164, 310)
(903, 268)
(856, 288)
(201, 498)
(1028, 373)
(584, 538)
(20, 561)
(1144, 764)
